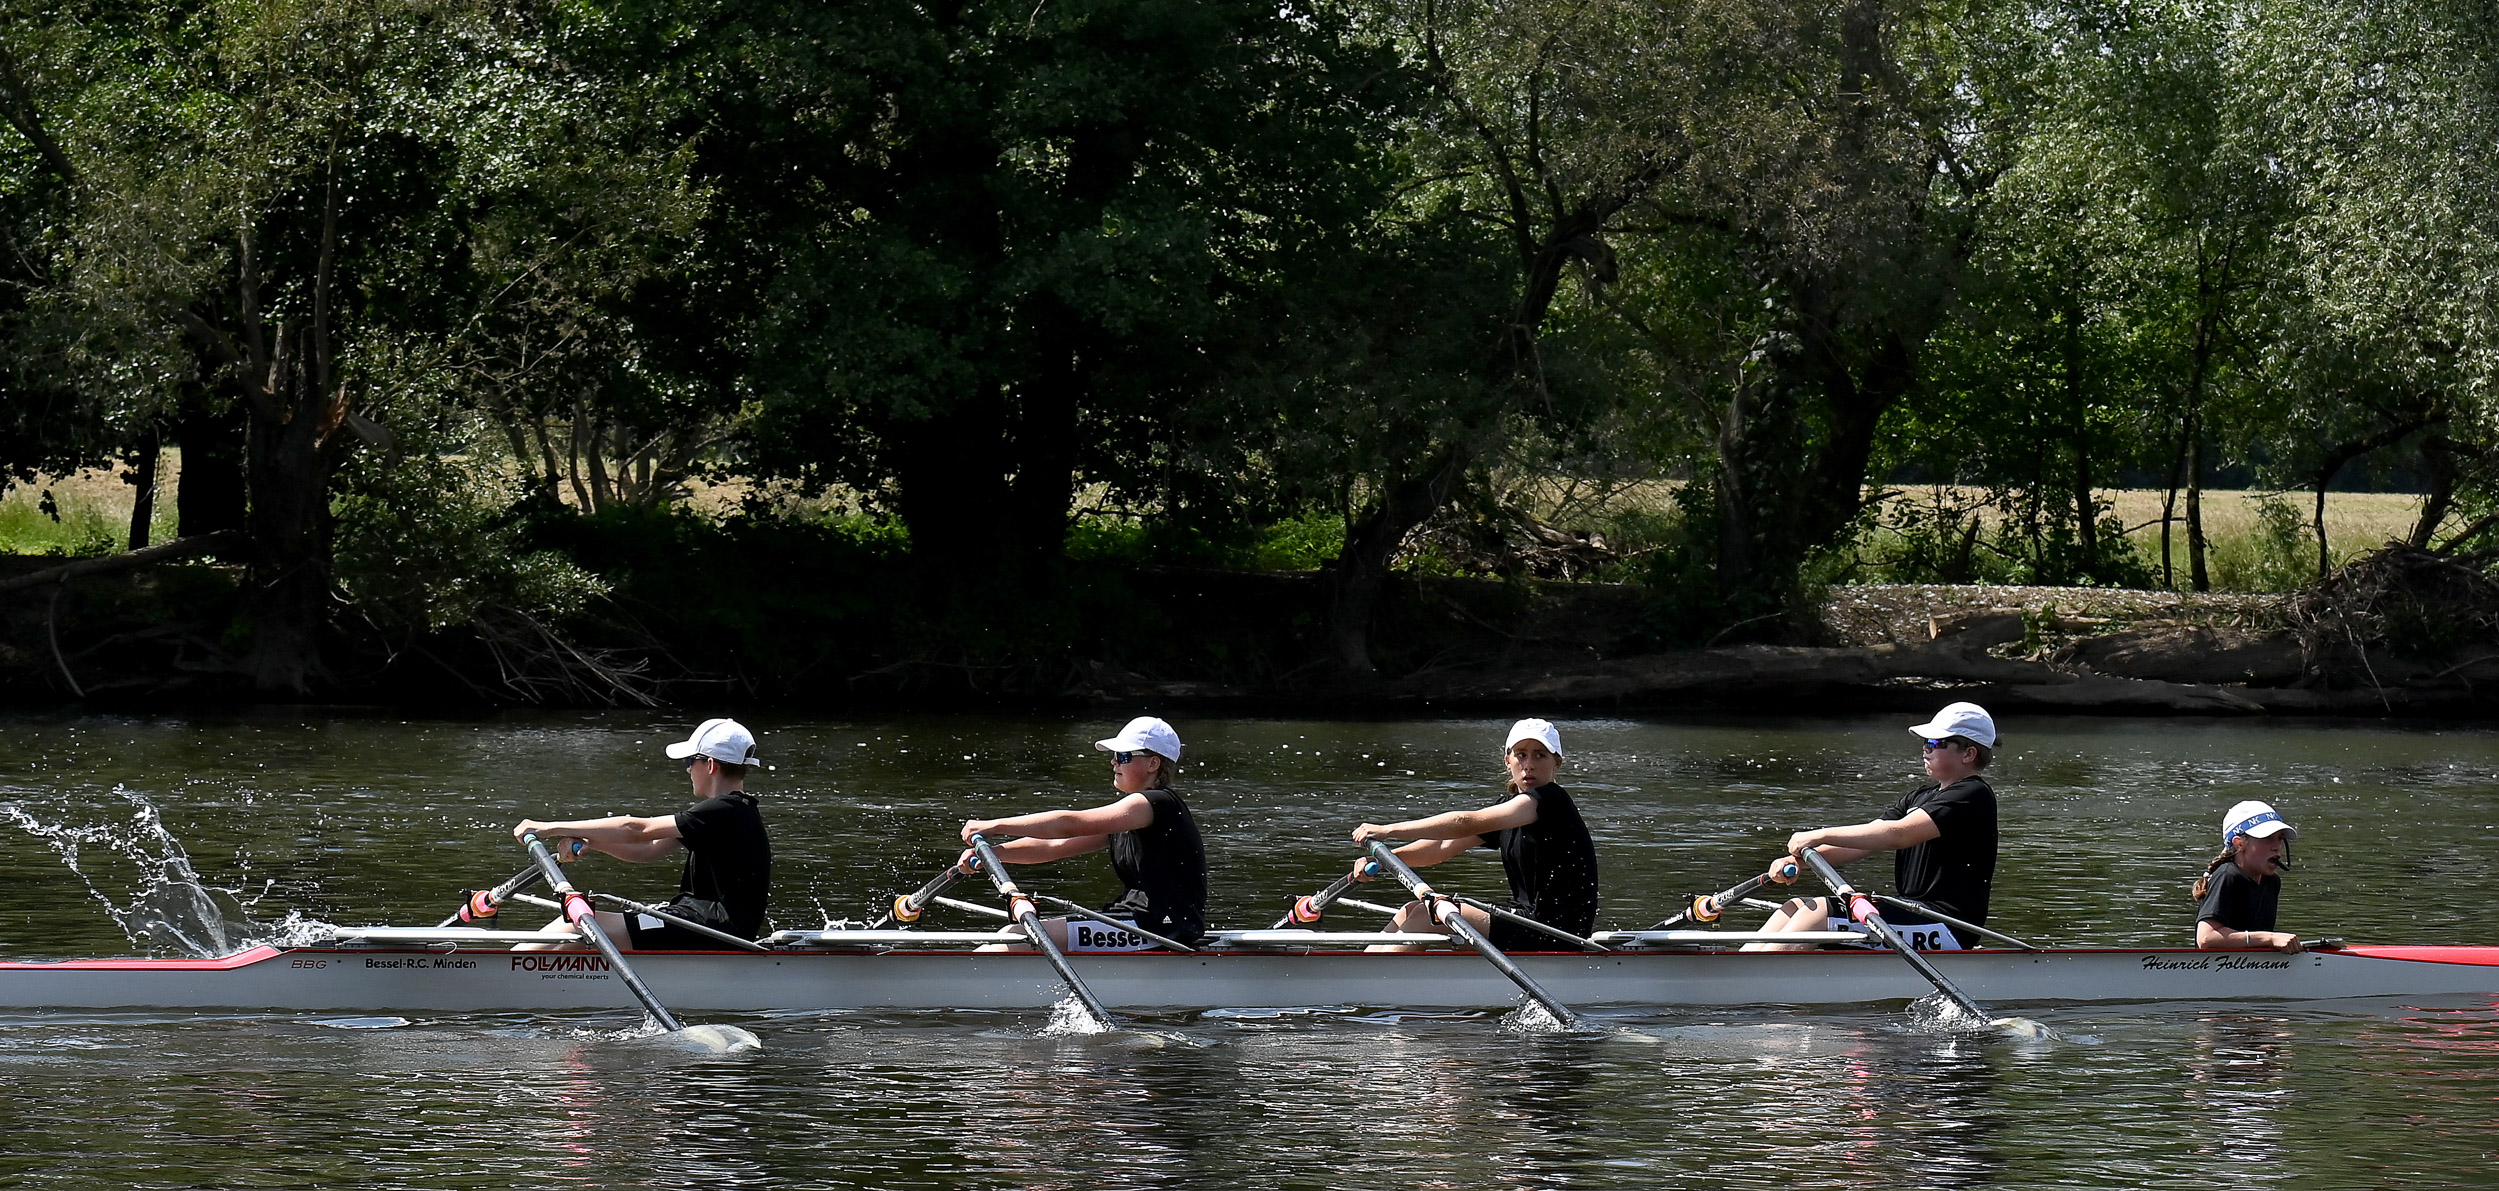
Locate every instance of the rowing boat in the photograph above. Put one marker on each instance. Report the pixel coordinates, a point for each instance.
(464, 970)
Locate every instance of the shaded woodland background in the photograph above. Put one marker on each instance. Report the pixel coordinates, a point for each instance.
(594, 351)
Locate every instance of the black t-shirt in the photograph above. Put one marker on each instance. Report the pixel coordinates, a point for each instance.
(1551, 863)
(1163, 865)
(728, 867)
(2238, 901)
(1953, 871)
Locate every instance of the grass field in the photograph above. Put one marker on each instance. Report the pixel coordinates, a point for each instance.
(2247, 554)
(93, 512)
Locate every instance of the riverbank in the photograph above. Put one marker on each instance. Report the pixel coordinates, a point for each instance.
(820, 629)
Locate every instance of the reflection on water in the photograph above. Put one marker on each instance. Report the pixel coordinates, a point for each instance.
(362, 820)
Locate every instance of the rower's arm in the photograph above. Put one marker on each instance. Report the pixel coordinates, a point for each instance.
(1035, 850)
(625, 837)
(1843, 846)
(1518, 811)
(1840, 845)
(2211, 935)
(1131, 813)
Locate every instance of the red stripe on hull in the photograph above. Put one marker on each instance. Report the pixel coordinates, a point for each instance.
(2422, 953)
(222, 963)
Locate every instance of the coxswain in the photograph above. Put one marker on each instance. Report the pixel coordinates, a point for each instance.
(2241, 889)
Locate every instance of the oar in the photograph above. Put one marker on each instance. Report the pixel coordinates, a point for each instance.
(483, 903)
(658, 912)
(1022, 908)
(1861, 908)
(908, 906)
(1107, 920)
(1926, 911)
(1306, 910)
(1708, 906)
(1508, 915)
(584, 919)
(1445, 911)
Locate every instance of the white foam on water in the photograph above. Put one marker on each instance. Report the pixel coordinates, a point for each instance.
(1533, 1019)
(1069, 1017)
(361, 1023)
(1939, 1014)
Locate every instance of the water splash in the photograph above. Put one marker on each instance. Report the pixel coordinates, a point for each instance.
(1533, 1020)
(165, 905)
(1069, 1018)
(1939, 1014)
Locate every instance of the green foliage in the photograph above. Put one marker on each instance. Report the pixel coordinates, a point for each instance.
(429, 539)
(2278, 554)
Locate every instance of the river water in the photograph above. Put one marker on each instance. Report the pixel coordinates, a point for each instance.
(171, 836)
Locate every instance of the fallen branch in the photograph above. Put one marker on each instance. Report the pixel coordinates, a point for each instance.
(179, 548)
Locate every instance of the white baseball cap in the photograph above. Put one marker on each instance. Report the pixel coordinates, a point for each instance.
(1968, 721)
(2254, 818)
(725, 741)
(1144, 732)
(1541, 731)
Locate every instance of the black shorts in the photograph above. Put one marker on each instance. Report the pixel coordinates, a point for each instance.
(651, 934)
(1510, 936)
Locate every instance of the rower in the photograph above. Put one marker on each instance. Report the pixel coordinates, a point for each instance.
(728, 868)
(1545, 848)
(2241, 890)
(1152, 838)
(1943, 836)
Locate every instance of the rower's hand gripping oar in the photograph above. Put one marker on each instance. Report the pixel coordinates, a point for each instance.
(585, 920)
(1306, 911)
(483, 903)
(1021, 908)
(1708, 906)
(1446, 912)
(1860, 908)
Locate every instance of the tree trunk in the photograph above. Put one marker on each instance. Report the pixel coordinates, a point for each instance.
(2078, 426)
(289, 460)
(2195, 506)
(1360, 570)
(2438, 458)
(209, 495)
(143, 468)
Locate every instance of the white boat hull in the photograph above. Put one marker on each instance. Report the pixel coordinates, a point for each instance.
(325, 979)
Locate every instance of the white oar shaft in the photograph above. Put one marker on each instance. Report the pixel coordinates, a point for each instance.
(1859, 907)
(586, 920)
(1021, 907)
(1446, 911)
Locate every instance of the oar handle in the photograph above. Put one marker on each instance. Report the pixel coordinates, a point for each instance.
(908, 907)
(1308, 910)
(1020, 907)
(1860, 908)
(484, 903)
(586, 920)
(1446, 912)
(1708, 907)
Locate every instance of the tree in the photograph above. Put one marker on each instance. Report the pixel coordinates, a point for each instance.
(295, 207)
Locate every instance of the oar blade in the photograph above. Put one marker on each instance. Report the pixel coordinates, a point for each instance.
(714, 1039)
